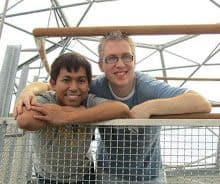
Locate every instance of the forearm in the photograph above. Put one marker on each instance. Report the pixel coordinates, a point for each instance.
(101, 112)
(27, 122)
(190, 102)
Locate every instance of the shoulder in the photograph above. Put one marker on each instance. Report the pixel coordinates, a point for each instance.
(147, 85)
(144, 87)
(144, 80)
(93, 100)
(143, 77)
(99, 82)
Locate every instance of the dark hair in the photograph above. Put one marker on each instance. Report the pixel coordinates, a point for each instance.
(70, 61)
(115, 36)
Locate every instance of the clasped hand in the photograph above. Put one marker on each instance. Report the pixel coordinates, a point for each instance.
(54, 114)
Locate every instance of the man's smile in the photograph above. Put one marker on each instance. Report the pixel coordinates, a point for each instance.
(72, 96)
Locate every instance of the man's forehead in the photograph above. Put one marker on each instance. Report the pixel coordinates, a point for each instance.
(117, 45)
(116, 42)
(80, 72)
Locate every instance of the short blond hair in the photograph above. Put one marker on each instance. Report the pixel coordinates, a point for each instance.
(115, 36)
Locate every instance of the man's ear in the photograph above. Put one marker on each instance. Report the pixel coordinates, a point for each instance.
(101, 66)
(52, 83)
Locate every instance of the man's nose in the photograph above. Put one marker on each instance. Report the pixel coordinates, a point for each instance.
(120, 62)
(73, 86)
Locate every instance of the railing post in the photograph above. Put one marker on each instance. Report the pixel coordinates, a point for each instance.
(7, 78)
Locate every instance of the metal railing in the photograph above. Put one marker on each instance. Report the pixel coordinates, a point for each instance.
(189, 150)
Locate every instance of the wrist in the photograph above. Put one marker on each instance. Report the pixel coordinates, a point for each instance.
(153, 107)
(70, 117)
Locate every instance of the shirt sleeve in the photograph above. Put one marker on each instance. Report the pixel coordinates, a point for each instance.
(164, 90)
(153, 89)
(93, 100)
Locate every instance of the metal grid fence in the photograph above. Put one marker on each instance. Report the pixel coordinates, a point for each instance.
(180, 151)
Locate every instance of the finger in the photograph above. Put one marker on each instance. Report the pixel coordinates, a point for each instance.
(27, 103)
(39, 109)
(18, 109)
(37, 104)
(33, 100)
(40, 117)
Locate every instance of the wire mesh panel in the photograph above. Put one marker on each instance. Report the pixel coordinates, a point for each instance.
(121, 153)
(60, 154)
(15, 159)
(189, 154)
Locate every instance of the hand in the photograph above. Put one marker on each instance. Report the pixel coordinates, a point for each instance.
(138, 112)
(27, 98)
(51, 113)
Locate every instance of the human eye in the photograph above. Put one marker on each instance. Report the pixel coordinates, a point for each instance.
(66, 80)
(111, 59)
(83, 80)
(127, 57)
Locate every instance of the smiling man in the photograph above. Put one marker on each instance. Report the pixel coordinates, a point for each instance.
(133, 155)
(60, 147)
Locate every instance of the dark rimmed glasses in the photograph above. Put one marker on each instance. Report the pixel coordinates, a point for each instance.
(111, 59)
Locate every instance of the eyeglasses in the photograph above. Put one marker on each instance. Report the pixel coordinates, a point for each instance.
(126, 58)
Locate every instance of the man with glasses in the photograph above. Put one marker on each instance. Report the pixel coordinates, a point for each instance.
(130, 155)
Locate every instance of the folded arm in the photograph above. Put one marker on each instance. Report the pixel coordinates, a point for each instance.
(190, 102)
(56, 115)
(26, 120)
(27, 97)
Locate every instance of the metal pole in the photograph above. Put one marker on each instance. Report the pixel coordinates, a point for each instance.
(7, 77)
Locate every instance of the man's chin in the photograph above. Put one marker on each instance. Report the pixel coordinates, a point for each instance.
(121, 83)
(72, 104)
